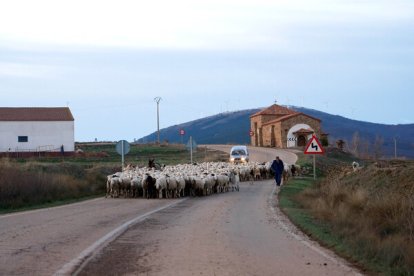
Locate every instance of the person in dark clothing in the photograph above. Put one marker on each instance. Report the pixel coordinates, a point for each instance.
(278, 167)
(151, 163)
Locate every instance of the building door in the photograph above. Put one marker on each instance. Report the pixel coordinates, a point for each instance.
(272, 138)
(301, 141)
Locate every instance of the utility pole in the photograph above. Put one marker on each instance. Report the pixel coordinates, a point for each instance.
(157, 100)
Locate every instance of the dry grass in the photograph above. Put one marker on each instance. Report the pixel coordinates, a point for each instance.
(373, 209)
(29, 185)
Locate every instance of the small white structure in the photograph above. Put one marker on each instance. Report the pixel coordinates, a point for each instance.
(36, 129)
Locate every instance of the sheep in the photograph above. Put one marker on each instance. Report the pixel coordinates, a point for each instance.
(286, 173)
(234, 181)
(210, 182)
(184, 179)
(108, 185)
(198, 185)
(115, 187)
(257, 173)
(136, 186)
(180, 185)
(125, 184)
(171, 190)
(161, 185)
(356, 166)
(148, 186)
(223, 182)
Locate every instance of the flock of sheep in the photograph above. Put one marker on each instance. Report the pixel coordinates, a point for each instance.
(184, 179)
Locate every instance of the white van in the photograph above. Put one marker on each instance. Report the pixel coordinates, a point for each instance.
(239, 154)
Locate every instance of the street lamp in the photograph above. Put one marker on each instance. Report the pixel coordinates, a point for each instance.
(157, 100)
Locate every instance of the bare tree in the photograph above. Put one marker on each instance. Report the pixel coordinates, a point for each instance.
(340, 144)
(365, 148)
(355, 144)
(378, 143)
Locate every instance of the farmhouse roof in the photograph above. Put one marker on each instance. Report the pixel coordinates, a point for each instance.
(275, 110)
(35, 114)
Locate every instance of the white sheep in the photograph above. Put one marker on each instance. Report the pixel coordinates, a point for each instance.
(161, 185)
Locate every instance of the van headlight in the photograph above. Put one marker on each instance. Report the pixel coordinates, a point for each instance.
(243, 159)
(232, 159)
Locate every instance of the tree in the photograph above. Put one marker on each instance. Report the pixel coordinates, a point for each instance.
(378, 143)
(340, 144)
(356, 144)
(365, 147)
(324, 141)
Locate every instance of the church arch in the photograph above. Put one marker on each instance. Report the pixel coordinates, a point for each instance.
(293, 139)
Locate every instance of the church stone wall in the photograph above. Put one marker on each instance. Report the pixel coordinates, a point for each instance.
(281, 129)
(300, 119)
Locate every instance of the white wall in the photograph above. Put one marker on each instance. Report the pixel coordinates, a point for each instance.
(41, 136)
(291, 141)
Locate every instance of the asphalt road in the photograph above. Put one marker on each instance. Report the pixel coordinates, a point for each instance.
(236, 233)
(258, 154)
(41, 242)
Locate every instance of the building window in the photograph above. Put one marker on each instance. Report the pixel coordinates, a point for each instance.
(23, 139)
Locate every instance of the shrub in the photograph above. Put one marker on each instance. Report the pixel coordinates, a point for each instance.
(373, 210)
(34, 184)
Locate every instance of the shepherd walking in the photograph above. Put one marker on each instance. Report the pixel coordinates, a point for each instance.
(278, 167)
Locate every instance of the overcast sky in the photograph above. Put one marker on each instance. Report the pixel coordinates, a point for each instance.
(107, 60)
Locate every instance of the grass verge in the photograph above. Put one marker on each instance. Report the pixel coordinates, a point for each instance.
(303, 219)
(369, 225)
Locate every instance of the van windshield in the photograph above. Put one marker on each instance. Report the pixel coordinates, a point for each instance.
(238, 152)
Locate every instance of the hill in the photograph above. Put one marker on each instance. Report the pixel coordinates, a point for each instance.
(233, 128)
(339, 127)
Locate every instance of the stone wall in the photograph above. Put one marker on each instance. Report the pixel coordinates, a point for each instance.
(300, 119)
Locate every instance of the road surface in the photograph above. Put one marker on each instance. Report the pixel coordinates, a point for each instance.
(236, 233)
(258, 154)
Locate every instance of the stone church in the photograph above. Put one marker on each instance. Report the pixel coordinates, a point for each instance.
(281, 127)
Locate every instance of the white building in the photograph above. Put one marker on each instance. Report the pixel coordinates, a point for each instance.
(36, 129)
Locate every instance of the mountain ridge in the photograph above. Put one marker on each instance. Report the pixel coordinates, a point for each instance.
(233, 128)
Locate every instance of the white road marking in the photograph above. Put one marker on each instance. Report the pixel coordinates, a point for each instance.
(302, 240)
(78, 262)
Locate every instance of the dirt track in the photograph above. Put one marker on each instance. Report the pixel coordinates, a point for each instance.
(237, 233)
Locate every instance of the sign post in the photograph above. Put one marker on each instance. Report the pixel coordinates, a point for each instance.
(314, 147)
(122, 148)
(182, 133)
(191, 146)
(191, 150)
